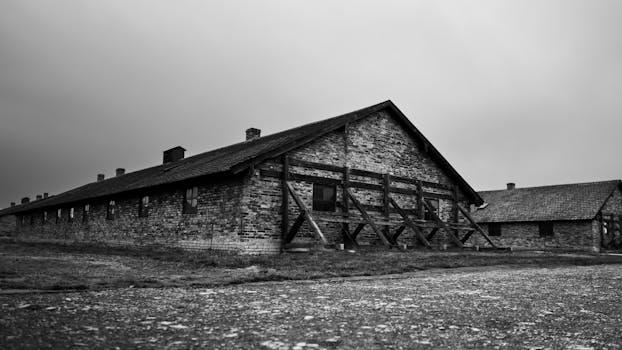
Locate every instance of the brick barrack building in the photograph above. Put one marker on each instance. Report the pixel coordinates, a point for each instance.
(582, 216)
(362, 178)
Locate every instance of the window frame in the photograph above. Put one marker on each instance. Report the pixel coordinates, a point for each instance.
(143, 206)
(44, 217)
(59, 215)
(191, 200)
(111, 209)
(86, 210)
(323, 204)
(546, 229)
(71, 214)
(426, 213)
(495, 229)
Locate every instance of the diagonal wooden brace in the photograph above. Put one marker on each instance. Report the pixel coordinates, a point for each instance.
(410, 223)
(307, 214)
(294, 229)
(475, 225)
(441, 224)
(368, 219)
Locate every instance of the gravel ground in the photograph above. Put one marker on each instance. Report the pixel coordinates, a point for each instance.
(531, 308)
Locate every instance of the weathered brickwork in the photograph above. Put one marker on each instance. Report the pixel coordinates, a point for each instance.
(376, 143)
(244, 214)
(570, 235)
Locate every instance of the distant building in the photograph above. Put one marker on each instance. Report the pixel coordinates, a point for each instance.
(366, 177)
(583, 216)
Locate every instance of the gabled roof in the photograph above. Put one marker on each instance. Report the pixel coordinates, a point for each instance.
(237, 158)
(580, 201)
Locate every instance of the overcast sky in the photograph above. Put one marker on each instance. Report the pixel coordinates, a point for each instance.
(523, 91)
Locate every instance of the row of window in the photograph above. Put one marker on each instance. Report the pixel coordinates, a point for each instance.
(545, 229)
(190, 205)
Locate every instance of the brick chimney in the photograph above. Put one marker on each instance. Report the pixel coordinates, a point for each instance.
(252, 133)
(45, 195)
(174, 154)
(39, 197)
(12, 204)
(100, 177)
(25, 200)
(511, 185)
(120, 171)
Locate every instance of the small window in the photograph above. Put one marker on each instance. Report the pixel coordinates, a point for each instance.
(22, 220)
(85, 212)
(427, 215)
(191, 200)
(111, 210)
(143, 206)
(494, 229)
(324, 197)
(546, 229)
(44, 219)
(71, 214)
(59, 213)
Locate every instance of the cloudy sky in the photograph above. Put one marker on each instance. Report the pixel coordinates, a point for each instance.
(528, 91)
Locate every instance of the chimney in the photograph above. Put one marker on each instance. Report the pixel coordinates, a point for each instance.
(100, 177)
(252, 133)
(511, 185)
(39, 197)
(12, 204)
(45, 195)
(120, 171)
(25, 200)
(172, 155)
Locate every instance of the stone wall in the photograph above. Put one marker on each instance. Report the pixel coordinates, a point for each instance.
(570, 235)
(7, 225)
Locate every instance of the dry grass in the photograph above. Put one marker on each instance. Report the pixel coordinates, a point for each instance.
(57, 267)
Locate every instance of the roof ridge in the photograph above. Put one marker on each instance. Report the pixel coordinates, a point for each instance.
(556, 185)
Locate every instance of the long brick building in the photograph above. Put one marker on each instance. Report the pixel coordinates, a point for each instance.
(582, 216)
(366, 177)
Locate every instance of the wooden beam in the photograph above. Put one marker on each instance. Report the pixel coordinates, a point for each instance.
(285, 200)
(432, 233)
(358, 230)
(421, 210)
(371, 223)
(307, 213)
(475, 225)
(348, 239)
(397, 233)
(386, 185)
(410, 223)
(318, 166)
(344, 194)
(294, 229)
(441, 223)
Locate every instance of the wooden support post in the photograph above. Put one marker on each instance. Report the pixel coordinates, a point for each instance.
(285, 203)
(442, 224)
(306, 213)
(455, 213)
(475, 225)
(386, 186)
(397, 234)
(368, 219)
(420, 209)
(344, 200)
(409, 223)
(348, 240)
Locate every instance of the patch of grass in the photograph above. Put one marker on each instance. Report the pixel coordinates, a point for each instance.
(45, 266)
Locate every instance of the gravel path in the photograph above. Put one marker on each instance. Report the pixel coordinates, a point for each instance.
(560, 308)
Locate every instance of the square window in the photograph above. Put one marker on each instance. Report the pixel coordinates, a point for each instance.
(191, 201)
(324, 197)
(143, 206)
(111, 210)
(494, 229)
(545, 229)
(427, 215)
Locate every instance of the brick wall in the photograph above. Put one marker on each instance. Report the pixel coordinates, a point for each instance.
(570, 235)
(376, 143)
(7, 225)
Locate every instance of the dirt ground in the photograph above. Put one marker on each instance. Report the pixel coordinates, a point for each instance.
(526, 308)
